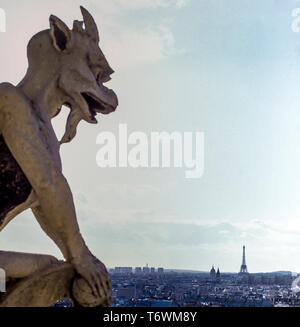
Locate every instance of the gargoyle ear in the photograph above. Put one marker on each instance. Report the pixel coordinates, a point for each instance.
(60, 33)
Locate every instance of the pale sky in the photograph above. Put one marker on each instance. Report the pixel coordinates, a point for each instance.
(230, 69)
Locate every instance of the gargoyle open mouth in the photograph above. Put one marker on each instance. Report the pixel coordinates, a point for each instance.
(95, 105)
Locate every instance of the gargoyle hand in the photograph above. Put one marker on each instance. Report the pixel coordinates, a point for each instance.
(96, 275)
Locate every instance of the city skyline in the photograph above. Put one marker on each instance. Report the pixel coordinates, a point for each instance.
(181, 289)
(168, 269)
(242, 271)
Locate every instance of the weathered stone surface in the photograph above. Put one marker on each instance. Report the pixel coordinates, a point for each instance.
(66, 67)
(41, 289)
(82, 295)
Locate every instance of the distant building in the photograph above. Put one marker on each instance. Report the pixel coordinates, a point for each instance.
(212, 273)
(218, 275)
(127, 270)
(123, 270)
(160, 270)
(152, 270)
(128, 292)
(146, 270)
(244, 269)
(138, 270)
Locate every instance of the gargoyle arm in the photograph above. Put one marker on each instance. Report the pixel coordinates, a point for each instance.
(22, 134)
(48, 229)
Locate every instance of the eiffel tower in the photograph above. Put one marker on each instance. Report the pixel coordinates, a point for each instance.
(243, 270)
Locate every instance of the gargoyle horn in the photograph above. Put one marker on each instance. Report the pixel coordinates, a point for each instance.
(90, 25)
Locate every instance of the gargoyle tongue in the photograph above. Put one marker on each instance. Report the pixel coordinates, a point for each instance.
(73, 120)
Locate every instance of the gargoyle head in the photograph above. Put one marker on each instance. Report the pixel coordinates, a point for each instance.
(76, 69)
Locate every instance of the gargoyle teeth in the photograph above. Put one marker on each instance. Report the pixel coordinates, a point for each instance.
(93, 105)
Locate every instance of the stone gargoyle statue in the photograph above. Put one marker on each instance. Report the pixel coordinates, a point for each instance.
(65, 67)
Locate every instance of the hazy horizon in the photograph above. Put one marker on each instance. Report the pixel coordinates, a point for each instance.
(216, 267)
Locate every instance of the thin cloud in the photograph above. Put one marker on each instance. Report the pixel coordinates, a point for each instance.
(118, 6)
(129, 46)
